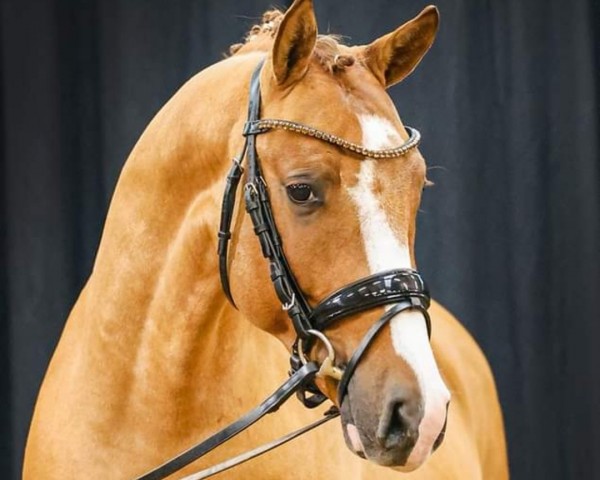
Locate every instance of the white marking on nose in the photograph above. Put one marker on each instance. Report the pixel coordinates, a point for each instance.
(384, 252)
(383, 249)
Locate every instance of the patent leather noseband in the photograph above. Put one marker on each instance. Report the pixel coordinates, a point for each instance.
(399, 289)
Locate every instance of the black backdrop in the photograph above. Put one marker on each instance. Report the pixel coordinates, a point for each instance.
(507, 102)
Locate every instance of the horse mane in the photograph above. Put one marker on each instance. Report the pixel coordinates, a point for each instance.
(327, 49)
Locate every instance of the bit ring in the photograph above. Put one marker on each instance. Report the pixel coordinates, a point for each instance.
(328, 368)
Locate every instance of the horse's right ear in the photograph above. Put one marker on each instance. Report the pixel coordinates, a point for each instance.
(294, 43)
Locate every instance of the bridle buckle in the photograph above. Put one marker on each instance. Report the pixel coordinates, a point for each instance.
(286, 306)
(251, 187)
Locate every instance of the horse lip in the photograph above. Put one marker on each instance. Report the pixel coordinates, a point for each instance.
(348, 422)
(354, 437)
(441, 436)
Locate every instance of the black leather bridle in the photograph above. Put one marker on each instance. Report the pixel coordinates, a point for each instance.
(401, 289)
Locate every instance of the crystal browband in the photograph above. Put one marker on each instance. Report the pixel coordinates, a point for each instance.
(263, 125)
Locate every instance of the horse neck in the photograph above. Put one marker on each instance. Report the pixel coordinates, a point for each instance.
(153, 309)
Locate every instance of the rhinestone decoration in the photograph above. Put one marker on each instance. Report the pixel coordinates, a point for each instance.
(412, 142)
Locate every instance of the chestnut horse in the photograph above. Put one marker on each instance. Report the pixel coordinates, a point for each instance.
(154, 358)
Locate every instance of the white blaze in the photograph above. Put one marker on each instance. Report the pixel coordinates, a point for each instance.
(384, 252)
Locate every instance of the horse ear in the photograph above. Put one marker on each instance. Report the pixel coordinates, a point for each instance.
(394, 56)
(294, 43)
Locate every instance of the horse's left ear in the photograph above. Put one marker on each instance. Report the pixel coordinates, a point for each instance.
(295, 42)
(394, 56)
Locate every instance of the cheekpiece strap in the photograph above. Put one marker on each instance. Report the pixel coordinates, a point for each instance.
(258, 206)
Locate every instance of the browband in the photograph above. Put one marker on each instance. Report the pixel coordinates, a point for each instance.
(266, 124)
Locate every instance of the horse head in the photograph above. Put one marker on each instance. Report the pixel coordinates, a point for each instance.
(343, 216)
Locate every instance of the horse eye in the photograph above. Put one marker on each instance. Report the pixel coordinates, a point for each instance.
(300, 192)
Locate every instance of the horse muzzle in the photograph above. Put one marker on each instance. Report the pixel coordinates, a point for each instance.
(394, 408)
(386, 437)
(394, 431)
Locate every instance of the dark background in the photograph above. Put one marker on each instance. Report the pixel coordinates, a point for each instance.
(507, 102)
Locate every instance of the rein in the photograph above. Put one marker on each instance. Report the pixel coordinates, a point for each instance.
(270, 404)
(400, 289)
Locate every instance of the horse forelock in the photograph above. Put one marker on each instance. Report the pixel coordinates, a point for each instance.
(329, 49)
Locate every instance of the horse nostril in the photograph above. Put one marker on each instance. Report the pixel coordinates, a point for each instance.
(399, 424)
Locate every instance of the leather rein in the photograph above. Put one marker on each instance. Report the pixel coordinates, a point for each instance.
(401, 289)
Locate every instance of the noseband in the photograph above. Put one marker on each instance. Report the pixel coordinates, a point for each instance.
(401, 289)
